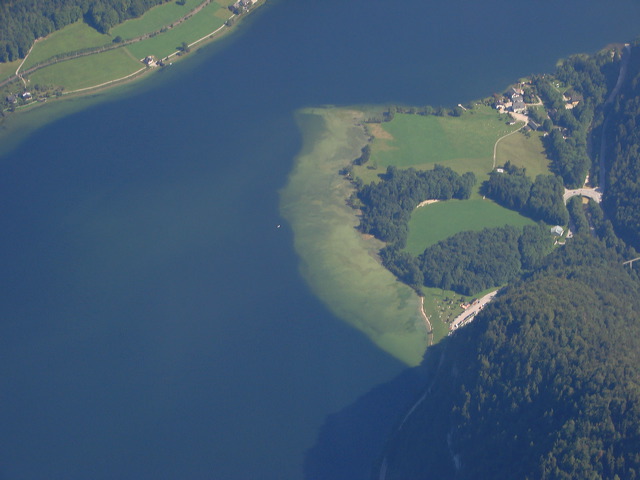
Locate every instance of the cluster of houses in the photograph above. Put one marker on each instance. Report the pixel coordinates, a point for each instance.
(515, 105)
(241, 6)
(13, 99)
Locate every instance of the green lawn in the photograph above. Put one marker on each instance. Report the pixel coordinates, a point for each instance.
(527, 152)
(207, 20)
(8, 69)
(73, 37)
(87, 71)
(464, 143)
(438, 221)
(154, 19)
(433, 307)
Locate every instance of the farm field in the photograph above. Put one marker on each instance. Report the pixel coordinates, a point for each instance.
(87, 71)
(8, 69)
(154, 19)
(438, 221)
(523, 151)
(463, 143)
(206, 21)
(73, 37)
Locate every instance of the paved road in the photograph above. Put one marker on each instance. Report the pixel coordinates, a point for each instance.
(594, 193)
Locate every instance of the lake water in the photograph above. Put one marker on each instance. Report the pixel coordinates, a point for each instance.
(154, 321)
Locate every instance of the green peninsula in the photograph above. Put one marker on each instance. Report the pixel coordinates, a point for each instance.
(407, 220)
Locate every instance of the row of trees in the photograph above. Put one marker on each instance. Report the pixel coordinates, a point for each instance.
(541, 199)
(23, 21)
(387, 205)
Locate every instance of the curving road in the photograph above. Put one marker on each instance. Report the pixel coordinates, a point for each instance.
(593, 193)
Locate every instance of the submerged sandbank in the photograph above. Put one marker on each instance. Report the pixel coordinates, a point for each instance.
(337, 261)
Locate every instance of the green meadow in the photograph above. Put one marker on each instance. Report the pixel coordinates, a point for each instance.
(204, 22)
(100, 68)
(8, 69)
(88, 71)
(438, 221)
(524, 151)
(338, 262)
(463, 143)
(154, 19)
(73, 37)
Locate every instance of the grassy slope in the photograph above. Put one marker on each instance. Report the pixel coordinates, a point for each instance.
(88, 71)
(524, 152)
(464, 144)
(206, 21)
(433, 223)
(8, 69)
(154, 19)
(73, 37)
(100, 68)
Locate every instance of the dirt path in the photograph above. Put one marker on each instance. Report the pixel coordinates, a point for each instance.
(426, 202)
(105, 83)
(201, 39)
(495, 146)
(105, 48)
(426, 321)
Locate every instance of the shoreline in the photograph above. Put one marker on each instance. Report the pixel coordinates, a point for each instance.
(142, 73)
(340, 265)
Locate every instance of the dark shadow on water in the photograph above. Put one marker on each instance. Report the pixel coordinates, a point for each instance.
(351, 441)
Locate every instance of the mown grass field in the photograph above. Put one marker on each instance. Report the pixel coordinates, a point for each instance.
(438, 221)
(87, 71)
(154, 19)
(73, 37)
(204, 22)
(8, 69)
(463, 143)
(527, 152)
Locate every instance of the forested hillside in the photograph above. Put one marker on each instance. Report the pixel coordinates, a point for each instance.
(545, 383)
(622, 197)
(22, 21)
(576, 111)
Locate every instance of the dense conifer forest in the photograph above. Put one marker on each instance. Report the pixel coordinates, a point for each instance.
(545, 383)
(622, 199)
(23, 21)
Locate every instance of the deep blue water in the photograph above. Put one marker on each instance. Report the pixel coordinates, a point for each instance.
(153, 321)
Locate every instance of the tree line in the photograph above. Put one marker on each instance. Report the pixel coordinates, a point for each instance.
(387, 205)
(541, 199)
(23, 21)
(470, 262)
